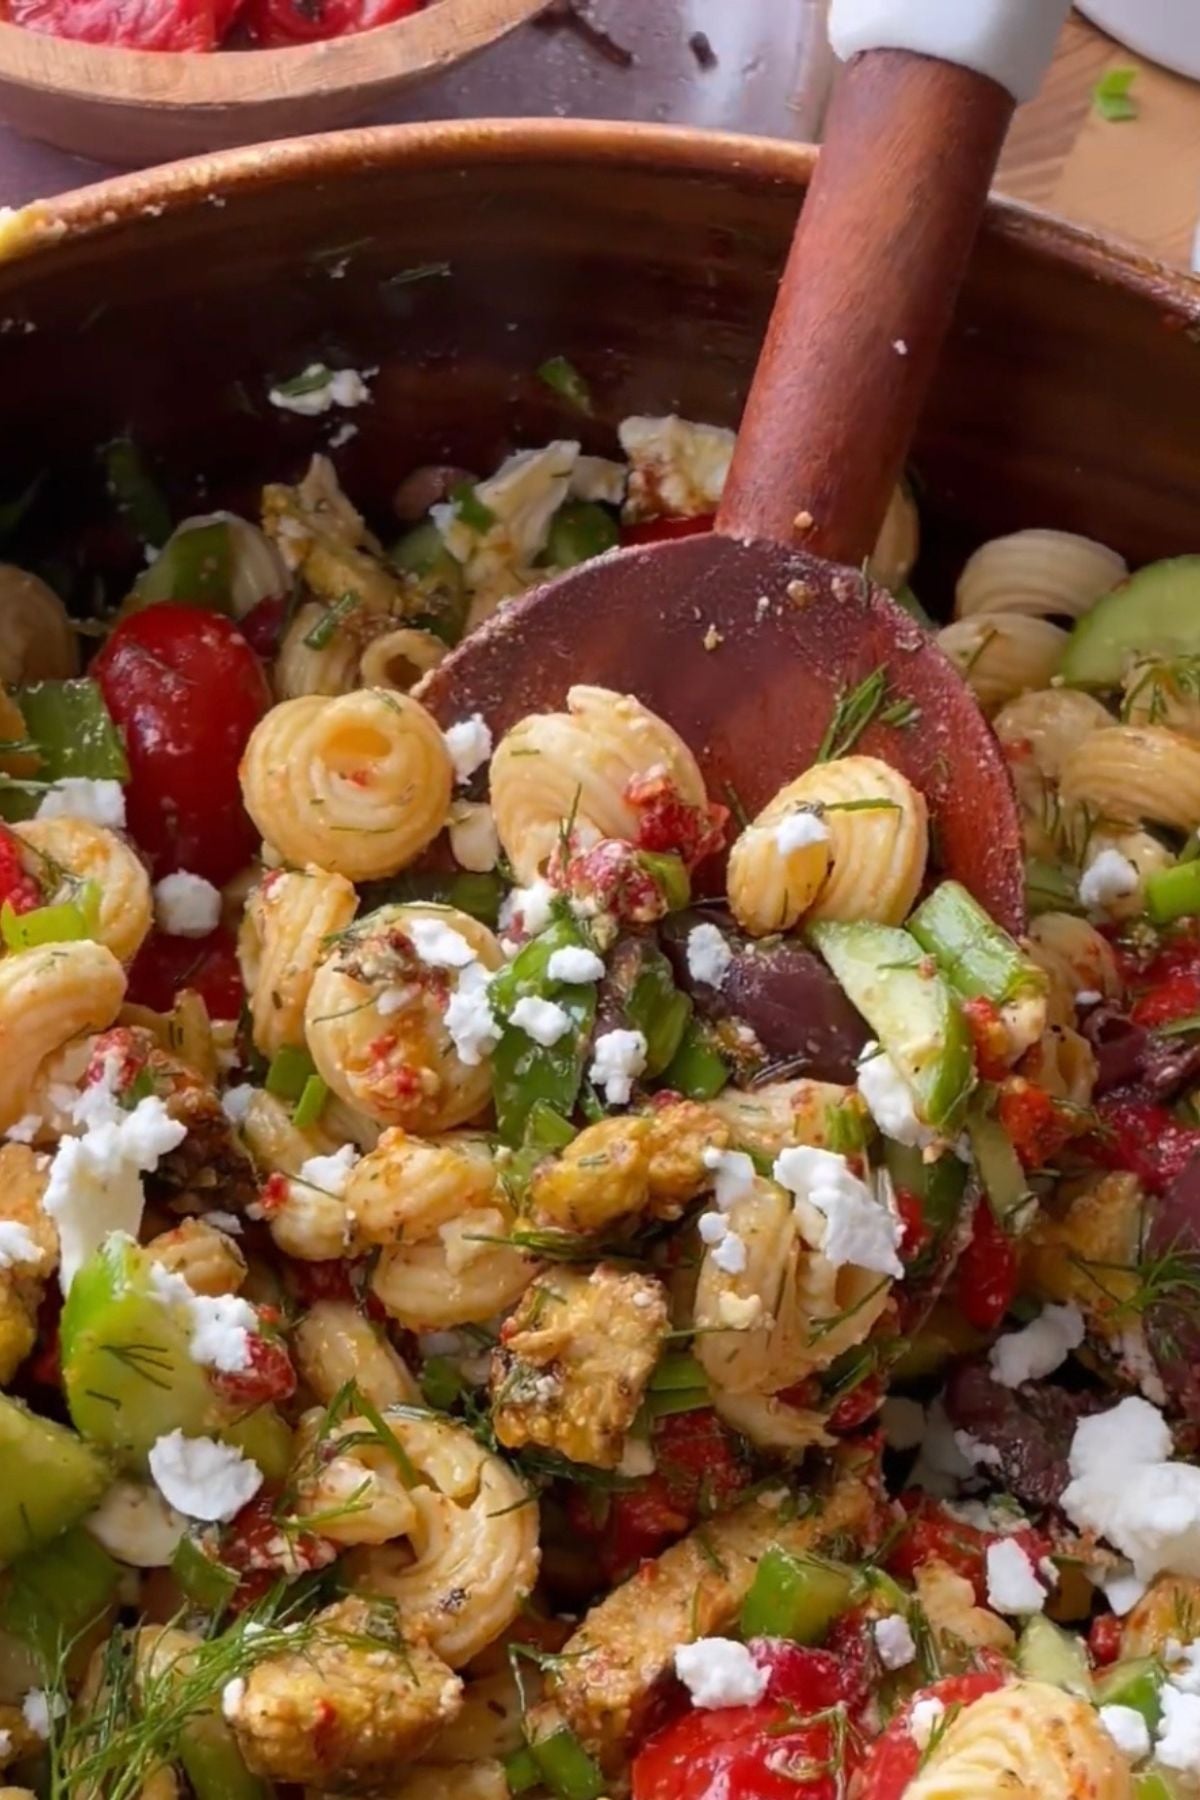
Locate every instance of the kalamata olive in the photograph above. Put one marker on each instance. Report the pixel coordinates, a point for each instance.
(781, 991)
(1029, 1428)
(1172, 1322)
(1127, 1052)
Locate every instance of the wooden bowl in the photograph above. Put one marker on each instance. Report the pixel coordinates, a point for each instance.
(457, 258)
(128, 106)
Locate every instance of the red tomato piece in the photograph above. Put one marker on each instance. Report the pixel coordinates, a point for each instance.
(1175, 997)
(932, 1534)
(133, 24)
(986, 1276)
(268, 1376)
(1104, 1639)
(186, 690)
(895, 1757)
(668, 823)
(209, 965)
(225, 16)
(859, 1405)
(656, 531)
(990, 1038)
(18, 888)
(274, 24)
(916, 1235)
(1143, 1137)
(698, 1460)
(1037, 1126)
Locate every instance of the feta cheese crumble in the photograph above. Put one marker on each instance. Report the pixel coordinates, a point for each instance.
(1127, 1729)
(924, 1719)
(734, 1174)
(677, 467)
(236, 1102)
(232, 1695)
(202, 1478)
(468, 1018)
(528, 908)
(890, 1101)
(1178, 1742)
(903, 1422)
(186, 905)
(39, 1709)
(221, 1325)
(573, 963)
(1012, 1583)
(618, 1058)
(894, 1641)
(1108, 877)
(1039, 1347)
(78, 797)
(541, 1020)
(799, 831)
(95, 1184)
(17, 1245)
(730, 1254)
(858, 1229)
(720, 1672)
(1126, 1488)
(330, 1173)
(708, 955)
(318, 390)
(469, 746)
(438, 945)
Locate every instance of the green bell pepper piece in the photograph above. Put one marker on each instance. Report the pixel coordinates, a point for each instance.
(193, 568)
(978, 958)
(524, 1072)
(795, 1597)
(566, 1768)
(1174, 893)
(422, 554)
(1137, 1682)
(999, 1167)
(657, 1008)
(479, 896)
(939, 1185)
(578, 531)
(206, 1582)
(213, 1762)
(697, 1070)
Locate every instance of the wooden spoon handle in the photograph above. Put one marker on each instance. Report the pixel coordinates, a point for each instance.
(866, 299)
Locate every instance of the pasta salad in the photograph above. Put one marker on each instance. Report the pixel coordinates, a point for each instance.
(518, 1278)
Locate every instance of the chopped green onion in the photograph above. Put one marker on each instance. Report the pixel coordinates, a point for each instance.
(796, 1597)
(1173, 893)
(1179, 1027)
(546, 1129)
(522, 1772)
(566, 1767)
(561, 375)
(670, 873)
(578, 531)
(977, 956)
(470, 508)
(137, 496)
(677, 1400)
(312, 380)
(203, 1580)
(311, 1104)
(847, 1128)
(441, 1383)
(62, 924)
(1111, 97)
(55, 1593)
(697, 1070)
(193, 568)
(289, 1072)
(675, 1372)
(327, 625)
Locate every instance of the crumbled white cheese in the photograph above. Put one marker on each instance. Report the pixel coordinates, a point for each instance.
(331, 1174)
(79, 797)
(394, 999)
(236, 1102)
(25, 1129)
(17, 1245)
(894, 1641)
(858, 1229)
(1122, 1590)
(708, 954)
(677, 467)
(734, 1174)
(95, 1184)
(437, 944)
(941, 1465)
(924, 1718)
(186, 905)
(1183, 1661)
(739, 1312)
(730, 1254)
(522, 497)
(222, 1327)
(1108, 877)
(712, 1227)
(1137, 1362)
(903, 1422)
(618, 1058)
(799, 831)
(134, 1523)
(890, 1101)
(324, 389)
(1088, 997)
(528, 908)
(597, 478)
(1126, 1488)
(542, 1020)
(637, 1459)
(227, 1222)
(39, 1709)
(469, 1020)
(982, 1455)
(1127, 1729)
(202, 1478)
(573, 963)
(1039, 1347)
(232, 1695)
(1177, 1745)
(469, 745)
(342, 436)
(720, 1672)
(1012, 1583)
(471, 1235)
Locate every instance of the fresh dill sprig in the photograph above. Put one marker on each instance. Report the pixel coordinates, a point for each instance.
(858, 707)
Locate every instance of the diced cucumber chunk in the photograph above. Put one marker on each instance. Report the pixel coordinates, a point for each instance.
(1047, 1653)
(1155, 615)
(52, 1478)
(978, 957)
(1155, 1784)
(55, 1593)
(1137, 1682)
(911, 1010)
(795, 1597)
(999, 1167)
(213, 1763)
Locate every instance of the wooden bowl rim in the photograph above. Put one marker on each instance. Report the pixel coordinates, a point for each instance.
(177, 80)
(105, 207)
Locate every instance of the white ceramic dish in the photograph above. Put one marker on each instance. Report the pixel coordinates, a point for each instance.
(1167, 31)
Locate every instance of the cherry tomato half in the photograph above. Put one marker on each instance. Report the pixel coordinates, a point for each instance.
(209, 965)
(186, 690)
(986, 1277)
(932, 1534)
(896, 1756)
(135, 24)
(274, 24)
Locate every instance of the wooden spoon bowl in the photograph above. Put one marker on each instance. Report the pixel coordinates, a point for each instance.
(129, 106)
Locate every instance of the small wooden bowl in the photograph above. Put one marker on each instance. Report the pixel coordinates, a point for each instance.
(131, 106)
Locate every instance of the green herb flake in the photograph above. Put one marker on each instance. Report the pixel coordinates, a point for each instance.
(1111, 97)
(561, 375)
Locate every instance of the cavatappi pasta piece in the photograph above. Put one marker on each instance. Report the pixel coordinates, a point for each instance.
(473, 836)
(610, 1672)
(335, 1343)
(1076, 960)
(472, 1559)
(47, 997)
(347, 1483)
(1039, 730)
(789, 1312)
(22, 1184)
(1170, 1608)
(948, 1601)
(573, 1361)
(307, 1220)
(277, 1144)
(37, 638)
(464, 1274)
(1040, 574)
(407, 1188)
(400, 657)
(1163, 693)
(1063, 1064)
(579, 765)
(1026, 1741)
(1001, 655)
(89, 852)
(681, 1132)
(314, 660)
(1083, 1248)
(359, 784)
(867, 862)
(186, 1033)
(351, 1702)
(769, 1423)
(210, 1261)
(768, 1119)
(375, 1018)
(895, 552)
(1136, 772)
(291, 916)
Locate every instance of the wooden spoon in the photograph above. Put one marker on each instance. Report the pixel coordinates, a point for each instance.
(740, 638)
